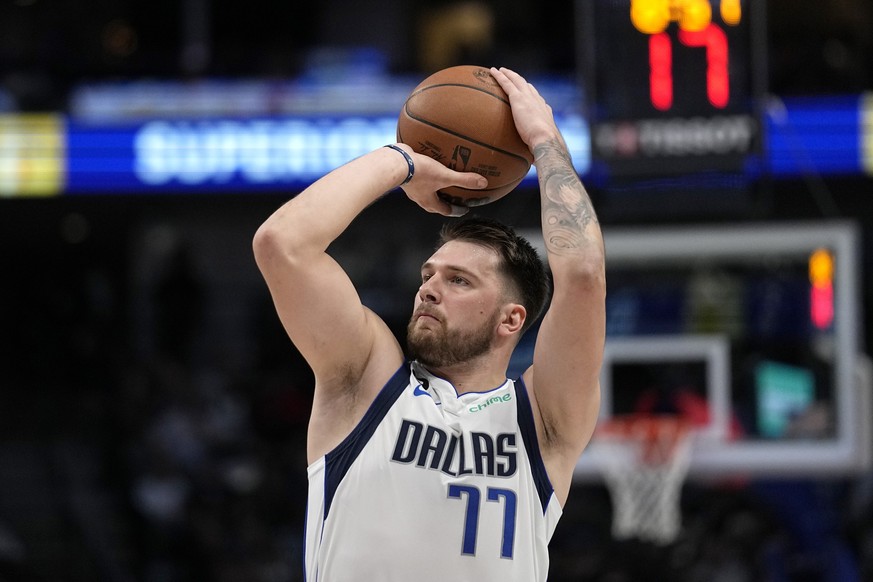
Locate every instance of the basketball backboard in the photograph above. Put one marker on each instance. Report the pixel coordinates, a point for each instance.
(750, 331)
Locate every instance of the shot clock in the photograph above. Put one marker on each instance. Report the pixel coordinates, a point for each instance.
(672, 85)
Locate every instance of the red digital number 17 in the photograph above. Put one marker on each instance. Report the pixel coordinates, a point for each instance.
(714, 41)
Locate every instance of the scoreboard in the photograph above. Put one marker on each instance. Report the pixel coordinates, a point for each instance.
(672, 85)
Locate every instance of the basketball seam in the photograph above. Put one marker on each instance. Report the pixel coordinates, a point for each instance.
(423, 89)
(468, 138)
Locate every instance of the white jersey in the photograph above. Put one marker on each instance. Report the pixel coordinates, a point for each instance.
(433, 486)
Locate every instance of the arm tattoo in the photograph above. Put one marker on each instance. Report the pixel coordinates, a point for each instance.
(566, 208)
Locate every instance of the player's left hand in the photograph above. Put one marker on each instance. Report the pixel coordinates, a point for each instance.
(533, 116)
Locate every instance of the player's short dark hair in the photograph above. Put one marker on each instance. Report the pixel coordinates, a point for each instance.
(520, 263)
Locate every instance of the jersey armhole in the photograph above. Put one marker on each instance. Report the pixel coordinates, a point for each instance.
(532, 445)
(338, 461)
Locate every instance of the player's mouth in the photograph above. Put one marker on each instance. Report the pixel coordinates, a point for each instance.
(425, 314)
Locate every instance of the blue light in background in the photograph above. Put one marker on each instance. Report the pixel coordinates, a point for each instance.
(813, 136)
(237, 155)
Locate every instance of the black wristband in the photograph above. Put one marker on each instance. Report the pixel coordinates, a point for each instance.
(408, 162)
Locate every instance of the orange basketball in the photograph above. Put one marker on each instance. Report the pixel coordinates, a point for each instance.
(461, 117)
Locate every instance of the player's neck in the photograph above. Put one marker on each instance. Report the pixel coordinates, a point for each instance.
(476, 375)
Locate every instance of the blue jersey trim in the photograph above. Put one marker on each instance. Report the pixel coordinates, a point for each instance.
(531, 444)
(338, 461)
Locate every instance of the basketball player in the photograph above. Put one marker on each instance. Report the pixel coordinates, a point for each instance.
(438, 467)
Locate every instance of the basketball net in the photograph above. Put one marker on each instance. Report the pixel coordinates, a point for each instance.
(644, 460)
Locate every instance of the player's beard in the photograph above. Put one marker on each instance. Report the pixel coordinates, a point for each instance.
(441, 348)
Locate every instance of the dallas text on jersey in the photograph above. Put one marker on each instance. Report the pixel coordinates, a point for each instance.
(430, 447)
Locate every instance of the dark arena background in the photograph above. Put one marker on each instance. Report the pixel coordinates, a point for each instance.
(153, 413)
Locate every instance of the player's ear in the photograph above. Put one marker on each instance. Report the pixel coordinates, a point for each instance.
(513, 317)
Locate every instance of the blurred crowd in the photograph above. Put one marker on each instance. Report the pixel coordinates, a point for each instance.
(203, 462)
(132, 452)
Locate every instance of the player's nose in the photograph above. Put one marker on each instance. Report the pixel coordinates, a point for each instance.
(429, 290)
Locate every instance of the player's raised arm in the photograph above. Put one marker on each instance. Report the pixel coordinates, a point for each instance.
(350, 350)
(564, 377)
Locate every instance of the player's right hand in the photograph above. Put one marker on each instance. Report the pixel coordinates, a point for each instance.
(431, 176)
